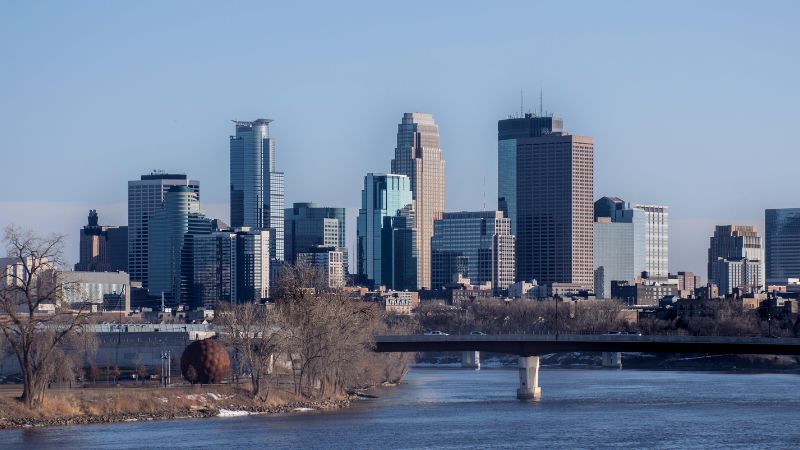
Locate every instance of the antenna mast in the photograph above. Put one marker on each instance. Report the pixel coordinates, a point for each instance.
(540, 102)
(521, 107)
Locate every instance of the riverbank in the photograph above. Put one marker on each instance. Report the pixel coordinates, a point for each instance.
(111, 405)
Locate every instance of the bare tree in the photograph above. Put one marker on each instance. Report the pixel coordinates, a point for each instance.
(29, 284)
(256, 336)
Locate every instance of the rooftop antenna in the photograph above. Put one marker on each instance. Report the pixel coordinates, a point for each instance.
(521, 107)
(540, 102)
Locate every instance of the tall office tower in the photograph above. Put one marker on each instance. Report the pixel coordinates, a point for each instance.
(782, 235)
(384, 195)
(145, 197)
(329, 259)
(399, 250)
(231, 266)
(657, 241)
(257, 189)
(307, 225)
(509, 132)
(170, 256)
(102, 248)
(419, 157)
(546, 188)
(735, 243)
(476, 245)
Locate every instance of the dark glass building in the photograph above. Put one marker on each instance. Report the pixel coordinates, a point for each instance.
(782, 236)
(307, 226)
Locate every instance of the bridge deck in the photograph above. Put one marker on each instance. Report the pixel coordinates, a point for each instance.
(527, 345)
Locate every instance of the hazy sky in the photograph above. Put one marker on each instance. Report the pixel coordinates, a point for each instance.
(690, 105)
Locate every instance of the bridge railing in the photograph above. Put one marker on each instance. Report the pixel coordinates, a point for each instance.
(588, 333)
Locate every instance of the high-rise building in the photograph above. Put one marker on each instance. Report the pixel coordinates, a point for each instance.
(102, 248)
(170, 257)
(656, 241)
(145, 197)
(546, 188)
(509, 131)
(782, 244)
(330, 259)
(734, 252)
(307, 225)
(257, 189)
(231, 266)
(419, 157)
(384, 196)
(475, 245)
(628, 240)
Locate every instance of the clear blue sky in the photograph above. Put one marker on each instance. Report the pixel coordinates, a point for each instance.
(691, 105)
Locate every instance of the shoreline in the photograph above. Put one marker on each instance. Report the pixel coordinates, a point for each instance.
(201, 411)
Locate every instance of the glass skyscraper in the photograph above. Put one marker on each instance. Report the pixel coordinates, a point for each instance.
(307, 225)
(170, 256)
(477, 245)
(257, 189)
(145, 197)
(419, 157)
(384, 196)
(782, 244)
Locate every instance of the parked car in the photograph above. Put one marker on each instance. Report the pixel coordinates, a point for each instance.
(477, 333)
(436, 333)
(633, 333)
(614, 333)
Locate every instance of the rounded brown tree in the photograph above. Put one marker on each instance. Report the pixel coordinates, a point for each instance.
(205, 361)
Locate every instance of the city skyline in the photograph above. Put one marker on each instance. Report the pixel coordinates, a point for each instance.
(678, 122)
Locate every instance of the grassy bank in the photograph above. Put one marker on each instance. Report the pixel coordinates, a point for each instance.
(115, 404)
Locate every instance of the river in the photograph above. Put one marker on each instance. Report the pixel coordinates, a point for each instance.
(454, 408)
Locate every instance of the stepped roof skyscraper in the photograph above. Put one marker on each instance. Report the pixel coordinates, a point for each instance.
(419, 157)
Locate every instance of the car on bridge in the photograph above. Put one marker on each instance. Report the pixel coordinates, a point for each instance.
(436, 333)
(477, 333)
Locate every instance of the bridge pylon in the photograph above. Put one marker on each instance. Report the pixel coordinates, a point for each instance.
(529, 389)
(471, 360)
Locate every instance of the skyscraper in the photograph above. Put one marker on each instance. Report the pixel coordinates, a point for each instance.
(330, 259)
(628, 241)
(102, 248)
(782, 244)
(477, 245)
(257, 189)
(307, 225)
(419, 157)
(509, 131)
(145, 197)
(384, 196)
(232, 266)
(735, 258)
(546, 187)
(170, 256)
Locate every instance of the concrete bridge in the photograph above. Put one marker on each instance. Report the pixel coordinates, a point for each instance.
(529, 347)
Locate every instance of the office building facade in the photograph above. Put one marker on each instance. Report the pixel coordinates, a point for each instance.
(307, 225)
(549, 202)
(256, 187)
(475, 245)
(384, 198)
(782, 249)
(419, 157)
(102, 248)
(231, 266)
(329, 259)
(734, 253)
(170, 256)
(145, 197)
(656, 240)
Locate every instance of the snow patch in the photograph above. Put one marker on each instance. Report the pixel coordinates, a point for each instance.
(232, 413)
(304, 409)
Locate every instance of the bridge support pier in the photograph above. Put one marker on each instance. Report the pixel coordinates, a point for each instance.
(471, 360)
(529, 389)
(612, 359)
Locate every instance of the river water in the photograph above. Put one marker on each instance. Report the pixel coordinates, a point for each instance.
(454, 408)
